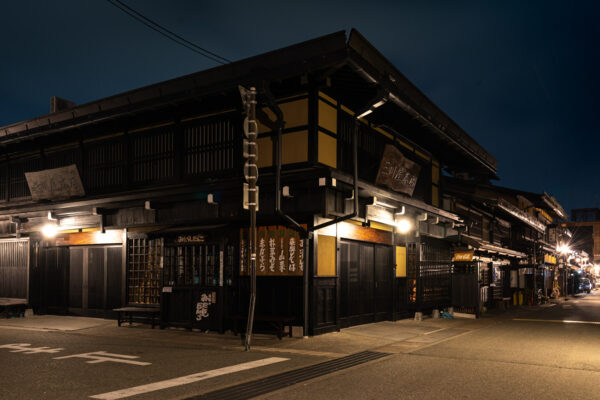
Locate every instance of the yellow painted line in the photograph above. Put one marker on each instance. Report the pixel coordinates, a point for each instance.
(558, 321)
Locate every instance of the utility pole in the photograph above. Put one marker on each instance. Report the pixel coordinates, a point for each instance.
(251, 193)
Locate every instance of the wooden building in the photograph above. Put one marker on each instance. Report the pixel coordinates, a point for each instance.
(145, 191)
(508, 247)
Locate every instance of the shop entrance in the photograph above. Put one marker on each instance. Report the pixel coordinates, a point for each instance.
(366, 276)
(95, 279)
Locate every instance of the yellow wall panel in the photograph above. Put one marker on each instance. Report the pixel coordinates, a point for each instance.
(327, 117)
(400, 262)
(263, 128)
(265, 152)
(435, 196)
(294, 147)
(347, 110)
(295, 113)
(329, 99)
(327, 150)
(381, 227)
(435, 174)
(326, 256)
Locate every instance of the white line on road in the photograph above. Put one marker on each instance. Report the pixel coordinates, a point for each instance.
(560, 321)
(102, 356)
(437, 330)
(184, 380)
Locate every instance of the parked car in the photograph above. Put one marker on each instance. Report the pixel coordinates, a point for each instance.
(585, 285)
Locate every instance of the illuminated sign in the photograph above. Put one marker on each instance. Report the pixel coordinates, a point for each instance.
(463, 256)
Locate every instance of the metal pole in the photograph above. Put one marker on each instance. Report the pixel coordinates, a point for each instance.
(251, 177)
(306, 292)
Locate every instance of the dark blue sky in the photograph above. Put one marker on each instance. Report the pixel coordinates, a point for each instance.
(520, 77)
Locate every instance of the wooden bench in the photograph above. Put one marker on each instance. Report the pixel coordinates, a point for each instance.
(278, 322)
(140, 313)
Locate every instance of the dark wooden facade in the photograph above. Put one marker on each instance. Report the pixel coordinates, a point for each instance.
(513, 237)
(162, 170)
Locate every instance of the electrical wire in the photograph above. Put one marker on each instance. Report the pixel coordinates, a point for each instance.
(167, 33)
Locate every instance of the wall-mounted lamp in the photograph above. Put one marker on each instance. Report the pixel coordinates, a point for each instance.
(404, 225)
(285, 192)
(49, 230)
(210, 199)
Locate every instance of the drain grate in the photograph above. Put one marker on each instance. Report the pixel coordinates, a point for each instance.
(265, 385)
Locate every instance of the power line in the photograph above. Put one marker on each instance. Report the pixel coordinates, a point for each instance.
(167, 33)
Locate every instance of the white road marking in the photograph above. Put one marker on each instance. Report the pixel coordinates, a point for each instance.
(560, 321)
(22, 328)
(102, 356)
(184, 380)
(437, 330)
(25, 349)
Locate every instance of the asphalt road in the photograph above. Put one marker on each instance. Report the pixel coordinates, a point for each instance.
(530, 353)
(545, 352)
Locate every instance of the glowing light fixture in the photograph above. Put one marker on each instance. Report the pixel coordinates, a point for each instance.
(563, 248)
(364, 114)
(404, 225)
(49, 230)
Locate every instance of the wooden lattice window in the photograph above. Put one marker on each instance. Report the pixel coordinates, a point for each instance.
(145, 271)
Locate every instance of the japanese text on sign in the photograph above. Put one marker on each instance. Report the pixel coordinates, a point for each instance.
(280, 252)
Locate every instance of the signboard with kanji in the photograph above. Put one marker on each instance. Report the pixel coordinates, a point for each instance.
(279, 252)
(55, 184)
(397, 172)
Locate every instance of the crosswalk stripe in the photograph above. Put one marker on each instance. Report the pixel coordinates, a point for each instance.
(184, 380)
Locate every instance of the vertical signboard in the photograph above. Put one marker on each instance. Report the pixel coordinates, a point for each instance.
(280, 252)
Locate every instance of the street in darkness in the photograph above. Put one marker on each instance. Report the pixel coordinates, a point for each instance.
(546, 351)
(301, 200)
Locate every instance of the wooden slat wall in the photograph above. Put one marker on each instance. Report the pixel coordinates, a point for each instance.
(13, 268)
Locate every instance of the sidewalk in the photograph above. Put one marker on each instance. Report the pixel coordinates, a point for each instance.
(53, 323)
(388, 336)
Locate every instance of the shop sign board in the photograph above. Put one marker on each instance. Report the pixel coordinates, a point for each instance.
(279, 251)
(205, 304)
(196, 238)
(463, 256)
(397, 172)
(55, 184)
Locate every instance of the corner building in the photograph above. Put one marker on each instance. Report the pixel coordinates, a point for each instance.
(145, 192)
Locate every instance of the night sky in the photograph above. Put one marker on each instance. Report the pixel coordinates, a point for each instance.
(520, 77)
